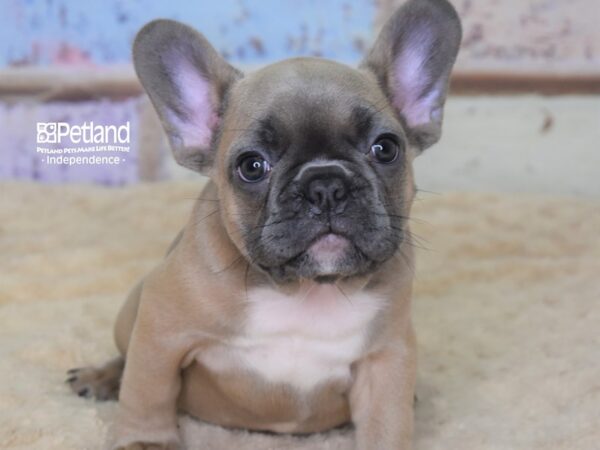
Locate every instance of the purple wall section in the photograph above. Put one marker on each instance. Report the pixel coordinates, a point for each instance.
(18, 134)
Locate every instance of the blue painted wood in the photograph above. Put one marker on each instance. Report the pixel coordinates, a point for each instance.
(45, 32)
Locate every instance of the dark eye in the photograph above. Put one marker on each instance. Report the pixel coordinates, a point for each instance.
(252, 168)
(385, 150)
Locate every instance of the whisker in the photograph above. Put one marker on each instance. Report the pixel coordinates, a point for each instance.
(197, 222)
(425, 191)
(406, 262)
(199, 198)
(246, 280)
(305, 296)
(399, 216)
(343, 293)
(230, 265)
(416, 237)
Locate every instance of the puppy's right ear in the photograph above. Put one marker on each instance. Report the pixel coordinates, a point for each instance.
(187, 81)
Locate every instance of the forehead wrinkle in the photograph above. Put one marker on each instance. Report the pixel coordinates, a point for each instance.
(267, 133)
(316, 130)
(361, 121)
(318, 121)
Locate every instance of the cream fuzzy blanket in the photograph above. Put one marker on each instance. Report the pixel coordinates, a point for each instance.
(507, 311)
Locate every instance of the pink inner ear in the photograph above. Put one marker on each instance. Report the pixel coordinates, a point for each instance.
(198, 101)
(409, 81)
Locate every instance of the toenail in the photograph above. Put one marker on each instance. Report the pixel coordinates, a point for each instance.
(83, 392)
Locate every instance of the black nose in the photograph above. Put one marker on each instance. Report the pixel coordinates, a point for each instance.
(327, 192)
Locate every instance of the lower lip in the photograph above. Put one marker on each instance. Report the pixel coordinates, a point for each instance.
(329, 244)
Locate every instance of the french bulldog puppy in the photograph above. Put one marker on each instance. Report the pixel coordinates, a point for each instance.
(285, 302)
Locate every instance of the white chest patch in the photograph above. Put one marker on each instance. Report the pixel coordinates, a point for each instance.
(300, 340)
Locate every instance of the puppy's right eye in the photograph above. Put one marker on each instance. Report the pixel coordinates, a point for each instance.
(252, 167)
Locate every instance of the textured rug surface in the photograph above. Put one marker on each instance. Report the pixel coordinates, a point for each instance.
(507, 312)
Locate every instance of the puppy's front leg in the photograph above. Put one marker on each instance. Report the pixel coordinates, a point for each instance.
(151, 382)
(382, 397)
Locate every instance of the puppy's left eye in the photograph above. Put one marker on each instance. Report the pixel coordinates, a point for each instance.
(385, 150)
(252, 168)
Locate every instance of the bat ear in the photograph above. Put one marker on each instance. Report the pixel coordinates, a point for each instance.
(412, 59)
(187, 80)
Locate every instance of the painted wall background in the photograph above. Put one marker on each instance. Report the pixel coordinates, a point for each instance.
(92, 39)
(46, 32)
(542, 35)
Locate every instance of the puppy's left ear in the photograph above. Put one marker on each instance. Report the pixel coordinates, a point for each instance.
(412, 60)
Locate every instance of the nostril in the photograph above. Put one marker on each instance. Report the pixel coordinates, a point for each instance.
(320, 198)
(326, 193)
(317, 195)
(339, 192)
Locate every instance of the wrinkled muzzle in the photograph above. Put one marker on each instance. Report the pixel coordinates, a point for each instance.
(327, 222)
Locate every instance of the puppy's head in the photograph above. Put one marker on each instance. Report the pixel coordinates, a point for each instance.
(312, 159)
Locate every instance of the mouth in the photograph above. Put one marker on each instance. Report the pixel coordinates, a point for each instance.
(328, 257)
(327, 250)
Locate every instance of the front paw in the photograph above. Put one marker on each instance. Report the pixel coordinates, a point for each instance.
(150, 446)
